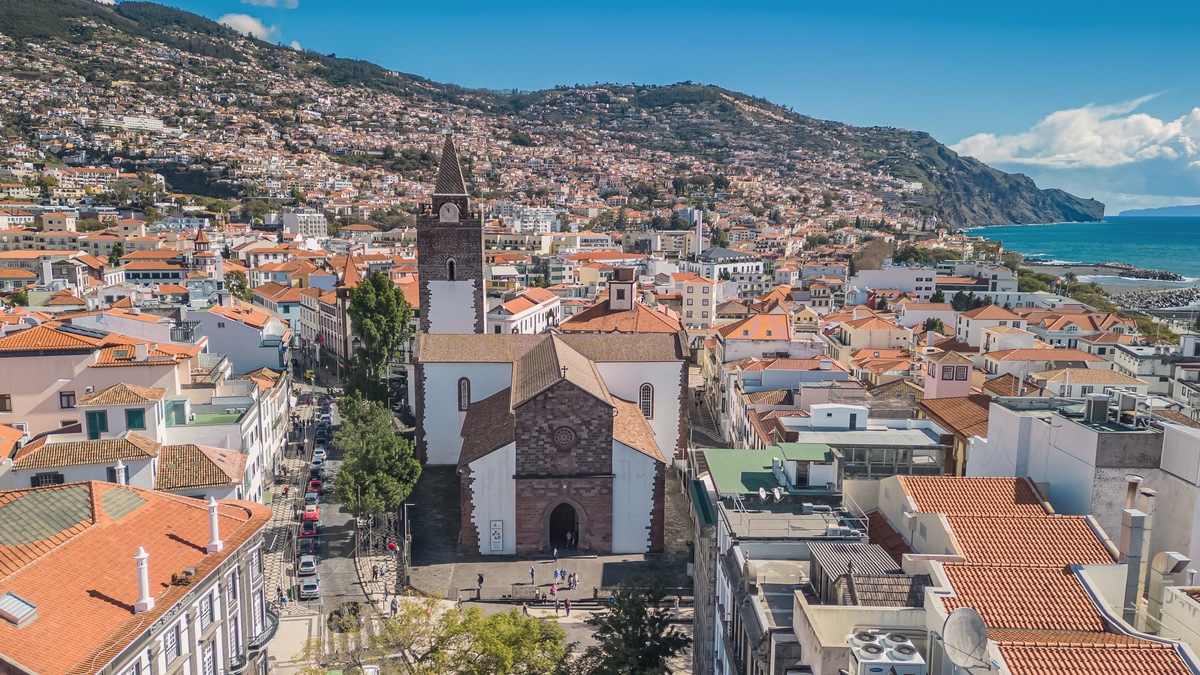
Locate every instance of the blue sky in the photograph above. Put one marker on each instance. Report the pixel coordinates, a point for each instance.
(1097, 98)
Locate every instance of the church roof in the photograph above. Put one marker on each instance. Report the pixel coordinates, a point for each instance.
(549, 363)
(631, 428)
(449, 177)
(508, 347)
(489, 425)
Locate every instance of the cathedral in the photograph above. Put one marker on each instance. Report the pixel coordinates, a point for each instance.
(560, 440)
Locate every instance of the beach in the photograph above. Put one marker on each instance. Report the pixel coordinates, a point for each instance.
(1106, 277)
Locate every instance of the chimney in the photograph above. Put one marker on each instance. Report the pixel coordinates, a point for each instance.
(47, 272)
(1133, 523)
(145, 602)
(120, 471)
(1132, 480)
(1146, 506)
(1163, 570)
(141, 351)
(215, 545)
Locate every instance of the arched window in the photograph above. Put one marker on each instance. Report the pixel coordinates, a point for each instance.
(450, 269)
(464, 393)
(646, 400)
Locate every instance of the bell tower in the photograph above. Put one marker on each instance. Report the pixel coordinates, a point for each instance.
(450, 254)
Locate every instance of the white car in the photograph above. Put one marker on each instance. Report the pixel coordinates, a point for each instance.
(306, 566)
(320, 453)
(310, 588)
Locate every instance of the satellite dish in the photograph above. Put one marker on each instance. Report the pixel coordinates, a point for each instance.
(762, 494)
(965, 637)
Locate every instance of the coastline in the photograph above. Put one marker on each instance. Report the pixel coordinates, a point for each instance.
(1107, 277)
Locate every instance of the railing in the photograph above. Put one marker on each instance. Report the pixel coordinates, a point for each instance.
(260, 641)
(237, 664)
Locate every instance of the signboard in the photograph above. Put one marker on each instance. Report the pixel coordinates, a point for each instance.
(497, 535)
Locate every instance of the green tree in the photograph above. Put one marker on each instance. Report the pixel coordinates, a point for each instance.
(645, 192)
(380, 468)
(881, 304)
(238, 286)
(633, 637)
(506, 642)
(933, 324)
(114, 256)
(719, 238)
(938, 296)
(19, 299)
(382, 321)
(960, 302)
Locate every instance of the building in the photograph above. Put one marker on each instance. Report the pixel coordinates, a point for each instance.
(309, 223)
(182, 587)
(532, 310)
(556, 460)
(251, 337)
(969, 326)
(450, 254)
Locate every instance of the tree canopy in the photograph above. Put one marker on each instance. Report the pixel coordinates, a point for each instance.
(379, 468)
(382, 321)
(634, 637)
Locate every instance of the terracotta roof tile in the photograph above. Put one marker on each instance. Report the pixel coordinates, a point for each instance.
(490, 425)
(40, 454)
(599, 318)
(96, 608)
(1094, 660)
(965, 416)
(124, 394)
(1061, 603)
(187, 466)
(631, 428)
(961, 496)
(1050, 541)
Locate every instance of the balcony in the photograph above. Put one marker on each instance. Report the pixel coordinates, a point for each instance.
(257, 645)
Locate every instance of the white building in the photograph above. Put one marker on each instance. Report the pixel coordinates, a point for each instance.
(532, 310)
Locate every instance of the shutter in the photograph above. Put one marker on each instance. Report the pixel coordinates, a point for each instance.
(111, 471)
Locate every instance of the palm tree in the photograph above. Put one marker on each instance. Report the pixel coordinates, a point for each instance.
(1070, 278)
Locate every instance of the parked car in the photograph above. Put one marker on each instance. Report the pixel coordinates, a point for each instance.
(306, 565)
(317, 472)
(310, 588)
(311, 498)
(308, 547)
(316, 486)
(311, 512)
(310, 528)
(320, 453)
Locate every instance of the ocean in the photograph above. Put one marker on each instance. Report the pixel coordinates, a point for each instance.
(1171, 244)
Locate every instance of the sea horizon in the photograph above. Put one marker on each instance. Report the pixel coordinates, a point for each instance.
(1168, 243)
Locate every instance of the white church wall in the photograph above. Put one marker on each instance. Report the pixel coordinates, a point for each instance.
(633, 499)
(625, 380)
(443, 420)
(494, 496)
(452, 307)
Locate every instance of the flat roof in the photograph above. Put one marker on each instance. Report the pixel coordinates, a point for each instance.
(868, 438)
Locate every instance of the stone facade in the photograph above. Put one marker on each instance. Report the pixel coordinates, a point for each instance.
(469, 534)
(580, 475)
(440, 241)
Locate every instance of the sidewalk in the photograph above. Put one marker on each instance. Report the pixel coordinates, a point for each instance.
(280, 537)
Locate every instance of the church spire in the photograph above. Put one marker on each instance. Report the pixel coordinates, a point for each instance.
(450, 178)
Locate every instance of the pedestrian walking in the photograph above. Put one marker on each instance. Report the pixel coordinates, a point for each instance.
(458, 603)
(568, 540)
(481, 581)
(532, 580)
(555, 576)
(555, 606)
(562, 574)
(556, 556)
(554, 591)
(374, 572)
(567, 604)
(395, 605)
(525, 608)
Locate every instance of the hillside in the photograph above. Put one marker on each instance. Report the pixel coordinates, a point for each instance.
(704, 125)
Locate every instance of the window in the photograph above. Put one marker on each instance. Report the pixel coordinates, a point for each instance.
(134, 668)
(220, 324)
(621, 294)
(960, 373)
(49, 478)
(1086, 389)
(66, 399)
(135, 418)
(171, 643)
(947, 372)
(256, 564)
(5, 403)
(689, 302)
(450, 270)
(233, 588)
(646, 400)
(464, 393)
(704, 302)
(706, 289)
(97, 423)
(206, 610)
(112, 475)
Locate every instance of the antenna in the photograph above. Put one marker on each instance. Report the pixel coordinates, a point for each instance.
(964, 634)
(762, 494)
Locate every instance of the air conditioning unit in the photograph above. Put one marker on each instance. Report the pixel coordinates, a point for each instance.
(88, 390)
(230, 411)
(241, 411)
(884, 654)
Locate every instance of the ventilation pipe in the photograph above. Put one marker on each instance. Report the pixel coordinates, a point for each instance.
(1133, 524)
(215, 545)
(1132, 480)
(1163, 570)
(145, 602)
(1146, 506)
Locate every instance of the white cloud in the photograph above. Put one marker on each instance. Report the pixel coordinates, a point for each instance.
(296, 45)
(1094, 136)
(286, 4)
(248, 25)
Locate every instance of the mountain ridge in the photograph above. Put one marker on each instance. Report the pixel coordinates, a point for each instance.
(684, 119)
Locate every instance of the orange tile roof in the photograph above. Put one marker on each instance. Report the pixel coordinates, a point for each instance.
(103, 524)
(1049, 541)
(965, 416)
(40, 454)
(46, 337)
(758, 327)
(1061, 603)
(124, 394)
(1147, 657)
(599, 318)
(189, 466)
(990, 313)
(961, 496)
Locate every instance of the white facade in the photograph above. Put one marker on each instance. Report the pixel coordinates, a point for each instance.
(494, 495)
(918, 281)
(452, 307)
(633, 498)
(442, 433)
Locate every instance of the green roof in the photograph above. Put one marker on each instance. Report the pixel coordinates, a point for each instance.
(704, 508)
(804, 452)
(741, 471)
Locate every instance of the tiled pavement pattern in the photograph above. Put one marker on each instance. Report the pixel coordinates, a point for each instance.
(280, 535)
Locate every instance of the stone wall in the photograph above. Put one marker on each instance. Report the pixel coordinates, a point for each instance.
(590, 495)
(468, 539)
(438, 242)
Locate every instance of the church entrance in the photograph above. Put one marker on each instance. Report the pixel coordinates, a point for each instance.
(563, 520)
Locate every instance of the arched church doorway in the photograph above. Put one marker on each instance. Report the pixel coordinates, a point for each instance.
(563, 520)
